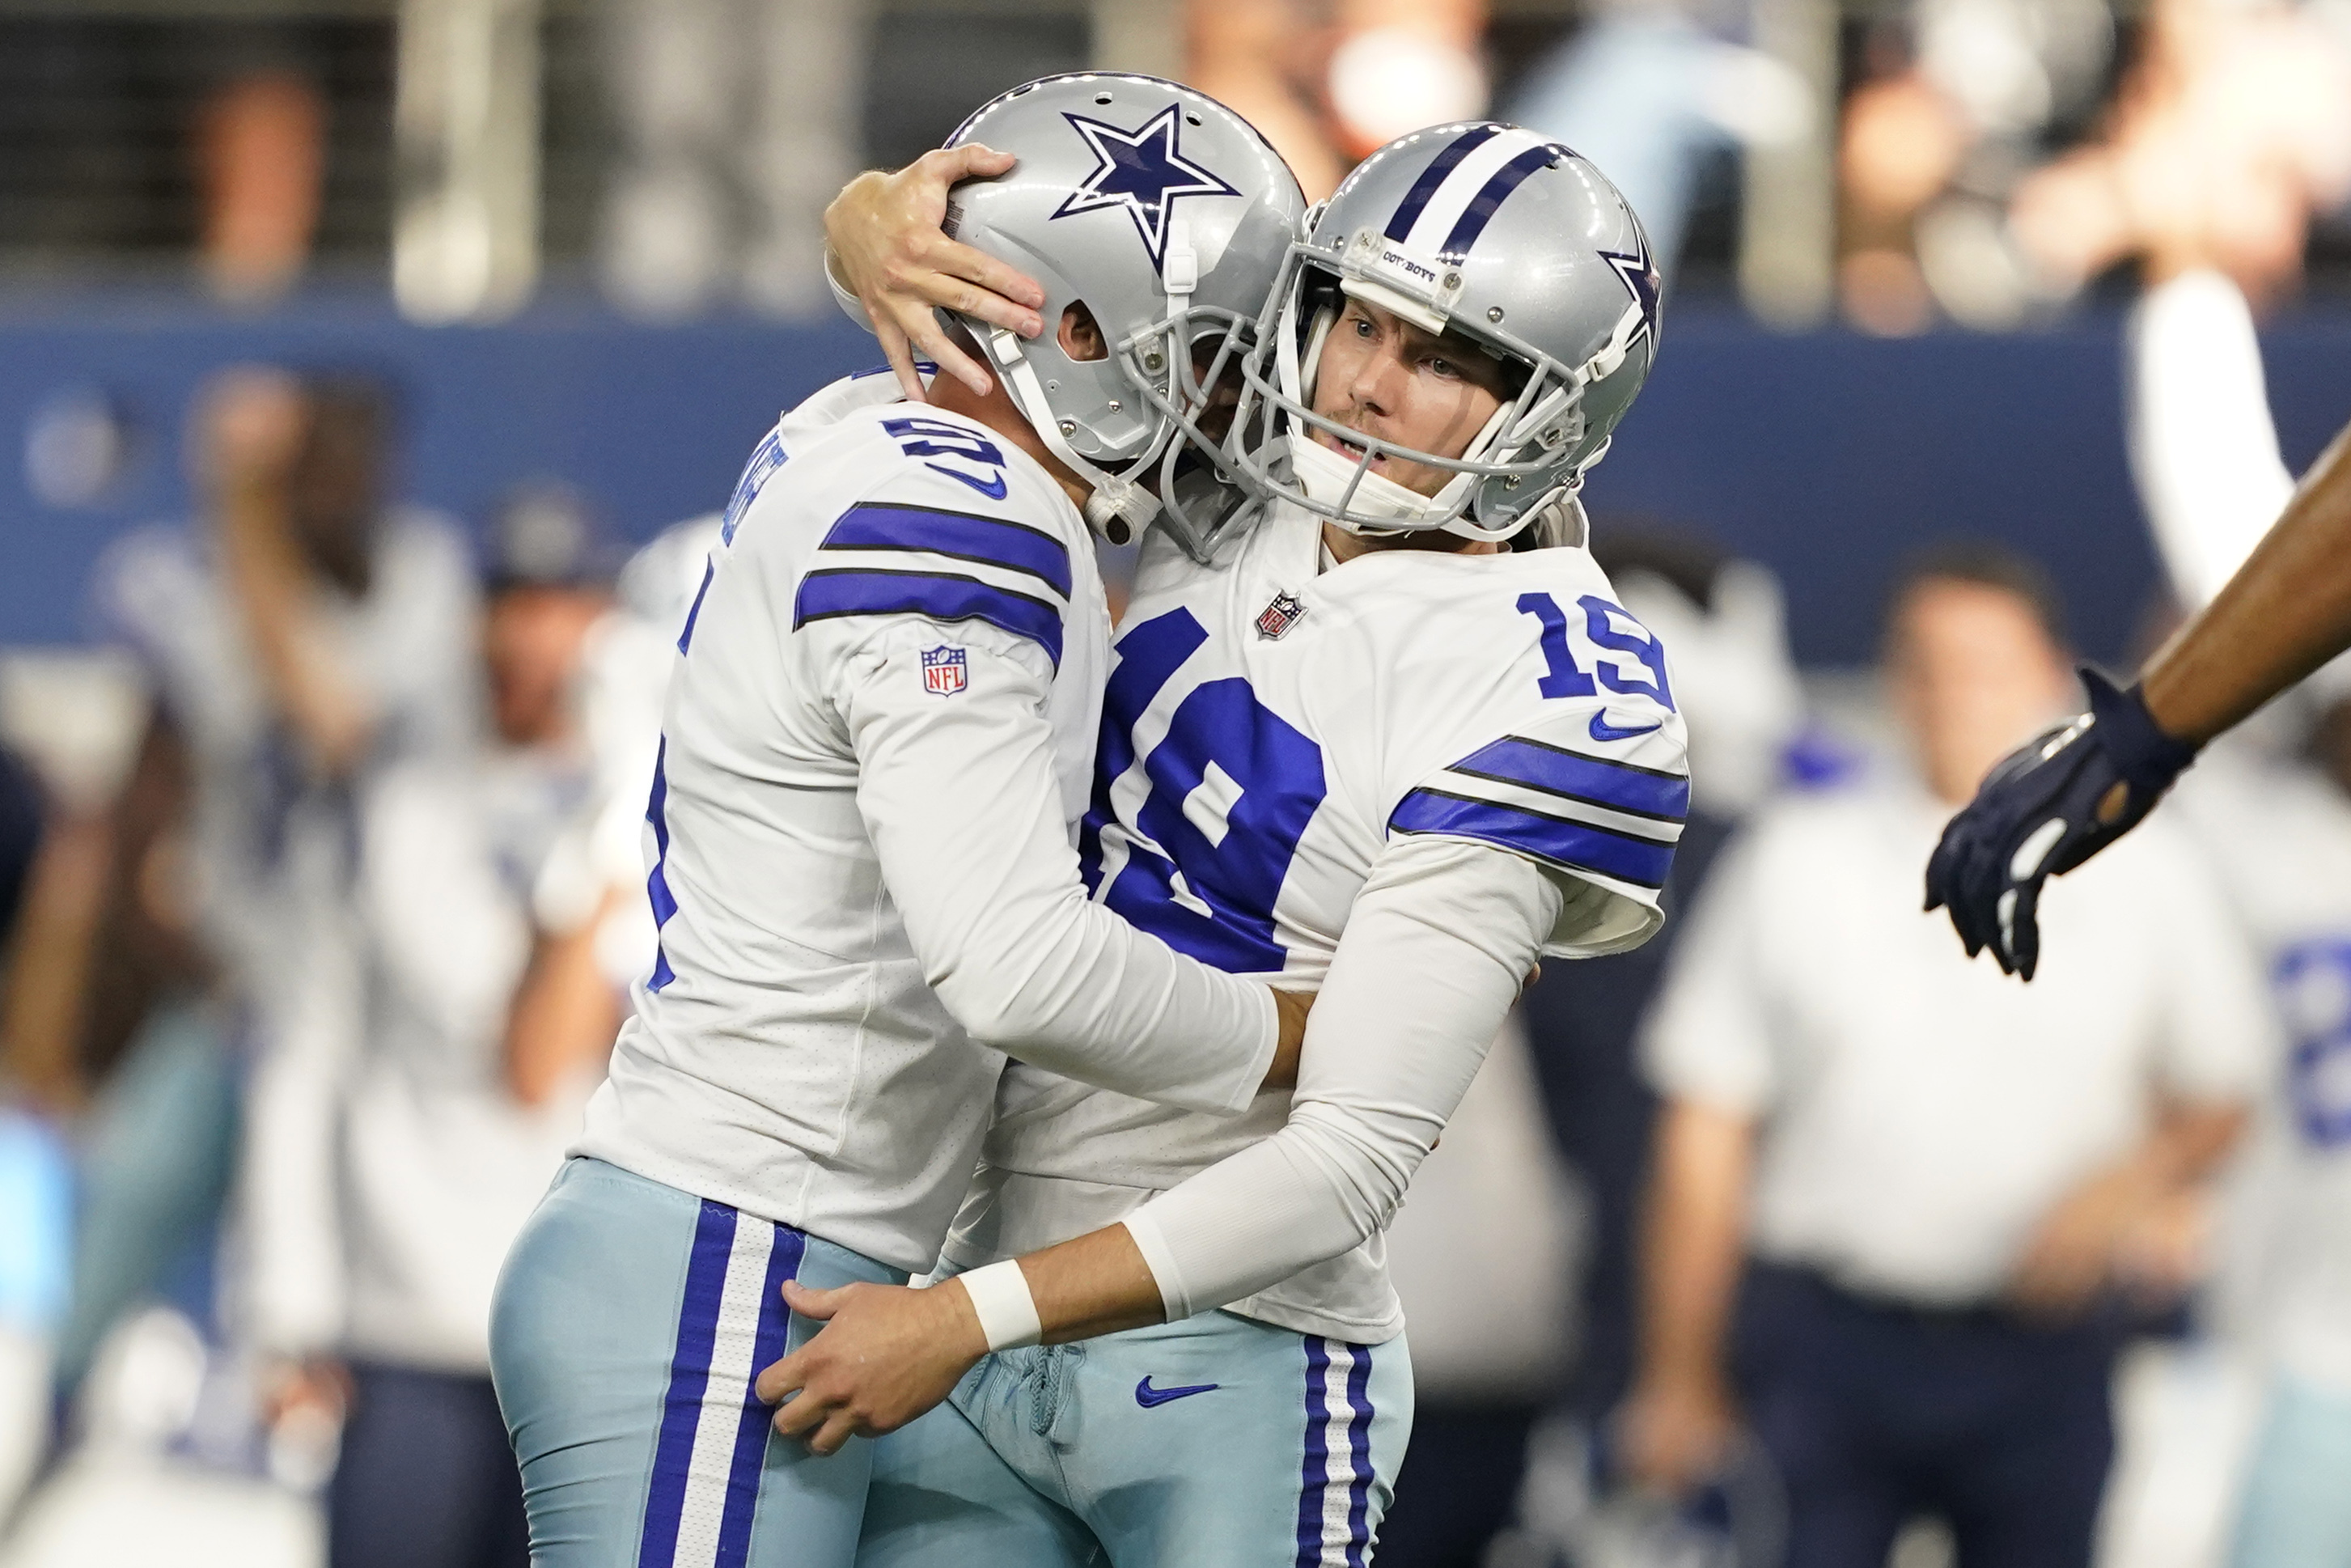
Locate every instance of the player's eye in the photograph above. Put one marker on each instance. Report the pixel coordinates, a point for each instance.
(1443, 368)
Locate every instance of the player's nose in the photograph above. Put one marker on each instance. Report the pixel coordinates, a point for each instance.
(1377, 382)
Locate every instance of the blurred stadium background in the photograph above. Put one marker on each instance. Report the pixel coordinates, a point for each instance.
(1909, 243)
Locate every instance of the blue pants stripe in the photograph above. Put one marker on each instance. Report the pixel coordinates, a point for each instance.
(1314, 1474)
(1359, 1453)
(689, 1379)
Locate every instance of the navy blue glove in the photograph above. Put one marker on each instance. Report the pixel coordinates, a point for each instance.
(2050, 805)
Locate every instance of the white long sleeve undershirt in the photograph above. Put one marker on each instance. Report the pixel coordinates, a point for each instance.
(2203, 448)
(1437, 943)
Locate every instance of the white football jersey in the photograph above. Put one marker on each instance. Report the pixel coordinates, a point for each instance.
(2280, 836)
(1270, 724)
(893, 665)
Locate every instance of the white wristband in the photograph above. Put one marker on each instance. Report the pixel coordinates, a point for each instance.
(1008, 1313)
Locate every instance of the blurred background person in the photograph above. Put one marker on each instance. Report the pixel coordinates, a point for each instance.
(261, 143)
(2230, 132)
(1731, 663)
(285, 639)
(457, 1019)
(1954, 101)
(1660, 95)
(303, 636)
(1329, 80)
(1947, 1188)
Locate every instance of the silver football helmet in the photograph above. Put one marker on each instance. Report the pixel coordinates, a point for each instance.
(1486, 230)
(1167, 217)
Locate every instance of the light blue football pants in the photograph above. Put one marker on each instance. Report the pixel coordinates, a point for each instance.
(1217, 1442)
(630, 1321)
(2296, 1511)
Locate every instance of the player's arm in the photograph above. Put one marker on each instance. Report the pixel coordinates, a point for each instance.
(255, 425)
(2286, 612)
(888, 260)
(1438, 943)
(960, 796)
(2061, 799)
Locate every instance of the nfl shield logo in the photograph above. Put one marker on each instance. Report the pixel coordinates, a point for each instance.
(1278, 616)
(943, 671)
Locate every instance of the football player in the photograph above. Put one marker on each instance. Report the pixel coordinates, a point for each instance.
(1396, 737)
(2062, 797)
(877, 742)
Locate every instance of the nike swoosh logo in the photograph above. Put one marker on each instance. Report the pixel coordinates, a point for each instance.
(1603, 730)
(991, 488)
(1150, 1397)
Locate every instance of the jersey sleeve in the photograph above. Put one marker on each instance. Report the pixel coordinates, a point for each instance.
(1593, 790)
(939, 632)
(959, 795)
(1436, 946)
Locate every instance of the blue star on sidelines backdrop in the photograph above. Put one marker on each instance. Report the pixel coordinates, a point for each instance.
(1639, 275)
(1142, 170)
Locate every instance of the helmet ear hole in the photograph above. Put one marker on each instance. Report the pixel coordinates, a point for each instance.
(1081, 336)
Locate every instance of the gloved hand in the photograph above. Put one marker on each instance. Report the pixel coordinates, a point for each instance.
(2050, 805)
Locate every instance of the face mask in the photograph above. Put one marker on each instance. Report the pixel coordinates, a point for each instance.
(1324, 474)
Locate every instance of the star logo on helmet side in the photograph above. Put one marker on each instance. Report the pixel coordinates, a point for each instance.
(1638, 273)
(1142, 170)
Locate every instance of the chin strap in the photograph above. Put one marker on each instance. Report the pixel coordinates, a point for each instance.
(1118, 509)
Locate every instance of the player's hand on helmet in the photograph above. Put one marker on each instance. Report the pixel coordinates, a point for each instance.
(886, 1354)
(886, 246)
(2048, 806)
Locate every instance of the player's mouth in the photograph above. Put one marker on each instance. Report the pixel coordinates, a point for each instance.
(1351, 449)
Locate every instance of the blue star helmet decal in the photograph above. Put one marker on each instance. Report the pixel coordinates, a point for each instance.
(1142, 171)
(1639, 275)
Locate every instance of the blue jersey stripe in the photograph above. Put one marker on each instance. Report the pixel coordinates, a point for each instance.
(765, 458)
(991, 541)
(1423, 189)
(1576, 776)
(751, 1423)
(689, 1379)
(694, 612)
(1315, 1470)
(1359, 1453)
(657, 893)
(940, 595)
(1482, 206)
(656, 882)
(1576, 846)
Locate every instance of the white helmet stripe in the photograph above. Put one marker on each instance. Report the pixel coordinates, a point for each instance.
(1462, 186)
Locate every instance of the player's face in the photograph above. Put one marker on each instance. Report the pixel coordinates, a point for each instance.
(532, 642)
(1386, 377)
(1972, 674)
